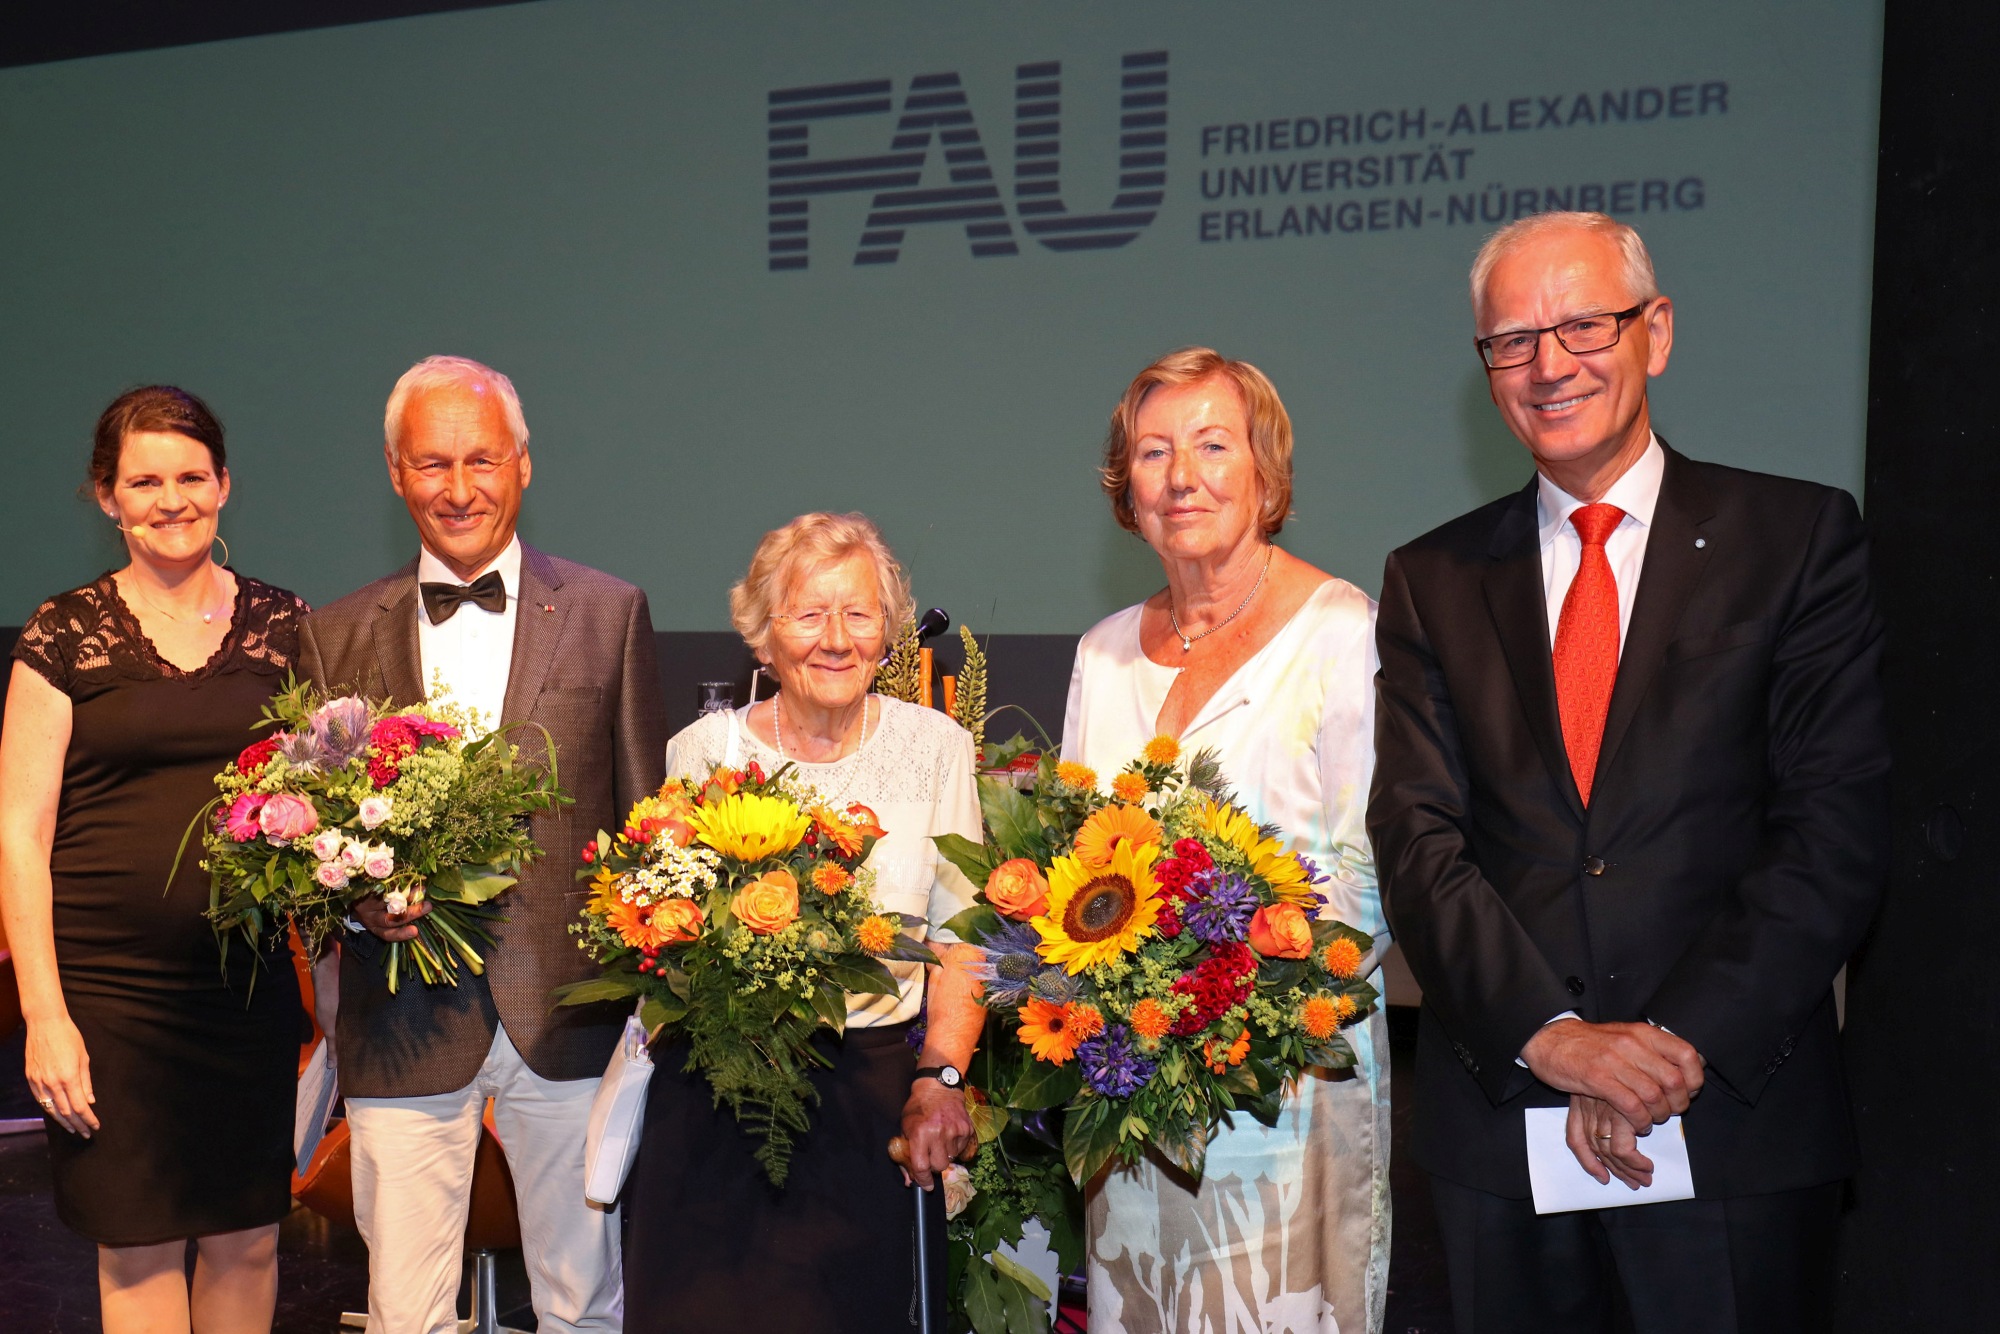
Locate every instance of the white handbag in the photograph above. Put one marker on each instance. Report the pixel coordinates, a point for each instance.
(617, 1114)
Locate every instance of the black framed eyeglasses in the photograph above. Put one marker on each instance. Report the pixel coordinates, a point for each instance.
(1585, 333)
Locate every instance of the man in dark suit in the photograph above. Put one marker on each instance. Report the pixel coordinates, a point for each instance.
(1630, 816)
(522, 637)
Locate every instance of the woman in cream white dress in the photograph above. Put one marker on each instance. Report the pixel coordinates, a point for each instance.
(1257, 655)
(712, 1245)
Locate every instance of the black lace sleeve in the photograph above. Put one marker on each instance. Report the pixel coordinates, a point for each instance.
(48, 640)
(271, 616)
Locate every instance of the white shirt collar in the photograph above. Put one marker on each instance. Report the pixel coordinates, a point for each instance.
(431, 570)
(1636, 492)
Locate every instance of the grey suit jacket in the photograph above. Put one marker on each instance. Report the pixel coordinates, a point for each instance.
(584, 668)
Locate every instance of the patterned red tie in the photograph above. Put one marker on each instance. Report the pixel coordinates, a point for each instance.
(1586, 653)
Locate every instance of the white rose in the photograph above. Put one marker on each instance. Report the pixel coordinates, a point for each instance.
(352, 853)
(332, 875)
(374, 810)
(396, 901)
(958, 1189)
(326, 844)
(379, 862)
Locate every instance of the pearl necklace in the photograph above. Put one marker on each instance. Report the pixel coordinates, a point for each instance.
(778, 731)
(207, 617)
(1187, 640)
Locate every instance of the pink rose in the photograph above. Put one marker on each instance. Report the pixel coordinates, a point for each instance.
(286, 816)
(352, 853)
(378, 862)
(374, 810)
(332, 875)
(326, 844)
(242, 818)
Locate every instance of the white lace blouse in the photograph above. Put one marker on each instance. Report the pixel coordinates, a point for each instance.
(915, 771)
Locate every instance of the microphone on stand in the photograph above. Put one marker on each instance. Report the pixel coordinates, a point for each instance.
(932, 624)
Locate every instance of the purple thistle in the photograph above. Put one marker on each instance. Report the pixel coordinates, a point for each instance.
(1110, 1065)
(1011, 963)
(1224, 914)
(1054, 986)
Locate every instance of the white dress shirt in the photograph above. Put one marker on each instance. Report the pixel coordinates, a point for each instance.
(473, 652)
(1637, 492)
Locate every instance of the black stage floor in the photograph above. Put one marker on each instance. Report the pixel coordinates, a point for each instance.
(48, 1279)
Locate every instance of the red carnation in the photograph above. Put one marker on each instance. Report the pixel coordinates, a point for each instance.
(1217, 984)
(256, 755)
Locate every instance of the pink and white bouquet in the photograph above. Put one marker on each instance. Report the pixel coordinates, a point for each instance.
(350, 798)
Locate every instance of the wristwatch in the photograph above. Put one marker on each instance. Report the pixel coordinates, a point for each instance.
(946, 1075)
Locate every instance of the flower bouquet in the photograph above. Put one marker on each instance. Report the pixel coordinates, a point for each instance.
(350, 798)
(1155, 960)
(739, 912)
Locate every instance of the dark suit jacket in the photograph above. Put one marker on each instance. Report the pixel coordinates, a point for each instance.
(1733, 852)
(584, 667)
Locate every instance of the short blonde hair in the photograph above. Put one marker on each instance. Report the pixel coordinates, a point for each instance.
(1270, 431)
(1635, 263)
(806, 544)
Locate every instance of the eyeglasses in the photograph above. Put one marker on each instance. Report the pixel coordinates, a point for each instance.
(1585, 333)
(860, 623)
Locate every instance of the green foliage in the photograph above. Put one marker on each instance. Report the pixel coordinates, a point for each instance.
(969, 708)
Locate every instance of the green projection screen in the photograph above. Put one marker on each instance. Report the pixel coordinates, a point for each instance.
(750, 259)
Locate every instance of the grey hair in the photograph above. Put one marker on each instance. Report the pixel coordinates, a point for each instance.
(806, 544)
(446, 372)
(1636, 265)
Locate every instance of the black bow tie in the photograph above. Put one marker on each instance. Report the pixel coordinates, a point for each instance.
(442, 601)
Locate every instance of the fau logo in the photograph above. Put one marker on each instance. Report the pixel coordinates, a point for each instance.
(935, 113)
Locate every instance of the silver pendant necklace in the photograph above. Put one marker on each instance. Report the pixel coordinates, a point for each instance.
(1187, 640)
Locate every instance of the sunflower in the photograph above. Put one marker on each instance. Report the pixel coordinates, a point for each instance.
(603, 891)
(1267, 857)
(1097, 913)
(1130, 788)
(1050, 1031)
(1112, 826)
(750, 827)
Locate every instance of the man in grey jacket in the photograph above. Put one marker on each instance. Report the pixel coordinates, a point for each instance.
(522, 637)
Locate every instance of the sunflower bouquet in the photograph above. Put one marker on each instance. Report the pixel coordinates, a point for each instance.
(739, 912)
(349, 797)
(1155, 960)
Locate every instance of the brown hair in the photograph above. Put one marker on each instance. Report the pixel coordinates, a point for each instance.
(154, 407)
(1270, 431)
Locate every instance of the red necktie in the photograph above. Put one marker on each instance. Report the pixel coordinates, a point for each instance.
(1586, 653)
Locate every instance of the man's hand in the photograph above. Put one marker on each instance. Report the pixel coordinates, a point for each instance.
(1604, 1143)
(936, 1128)
(375, 915)
(1646, 1074)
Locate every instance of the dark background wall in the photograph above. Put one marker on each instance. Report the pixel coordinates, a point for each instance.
(1922, 998)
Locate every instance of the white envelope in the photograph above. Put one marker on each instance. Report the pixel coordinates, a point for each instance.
(1561, 1184)
(319, 1089)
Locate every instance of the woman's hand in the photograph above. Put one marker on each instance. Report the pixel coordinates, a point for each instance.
(59, 1074)
(936, 1128)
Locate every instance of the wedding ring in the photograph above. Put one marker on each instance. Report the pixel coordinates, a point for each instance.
(1605, 1137)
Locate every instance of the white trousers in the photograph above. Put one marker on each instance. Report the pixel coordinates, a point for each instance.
(413, 1187)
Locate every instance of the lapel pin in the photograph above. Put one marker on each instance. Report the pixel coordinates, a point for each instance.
(548, 606)
(1701, 542)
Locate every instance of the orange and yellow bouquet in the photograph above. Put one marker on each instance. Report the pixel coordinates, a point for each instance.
(738, 911)
(1155, 960)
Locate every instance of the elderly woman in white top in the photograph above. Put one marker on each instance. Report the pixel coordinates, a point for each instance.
(1255, 654)
(712, 1245)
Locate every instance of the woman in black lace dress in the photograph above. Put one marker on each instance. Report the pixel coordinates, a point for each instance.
(166, 1076)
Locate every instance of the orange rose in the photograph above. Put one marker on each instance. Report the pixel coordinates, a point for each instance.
(677, 921)
(1016, 889)
(769, 903)
(1281, 931)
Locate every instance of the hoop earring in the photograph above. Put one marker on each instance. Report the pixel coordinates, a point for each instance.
(225, 549)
